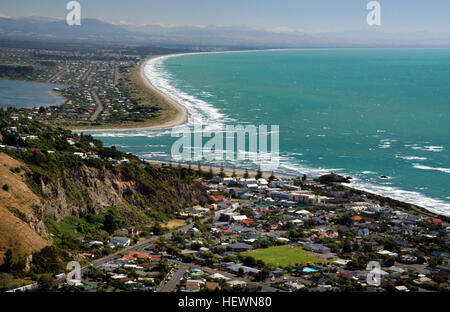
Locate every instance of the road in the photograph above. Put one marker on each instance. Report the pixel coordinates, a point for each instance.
(265, 285)
(99, 106)
(85, 77)
(138, 247)
(171, 284)
(57, 75)
(116, 76)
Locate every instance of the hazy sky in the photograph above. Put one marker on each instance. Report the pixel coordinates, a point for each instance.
(297, 15)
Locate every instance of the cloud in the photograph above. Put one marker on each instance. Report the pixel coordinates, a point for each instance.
(285, 29)
(4, 15)
(121, 23)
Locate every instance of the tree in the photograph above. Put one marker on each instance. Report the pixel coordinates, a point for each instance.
(304, 178)
(190, 169)
(157, 229)
(347, 247)
(390, 288)
(247, 212)
(110, 224)
(272, 177)
(390, 245)
(260, 264)
(221, 172)
(7, 262)
(250, 261)
(45, 282)
(259, 174)
(199, 169)
(262, 275)
(210, 173)
(246, 176)
(161, 243)
(38, 157)
(389, 262)
(47, 260)
(234, 173)
(345, 220)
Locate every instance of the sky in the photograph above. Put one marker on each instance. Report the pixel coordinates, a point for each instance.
(279, 15)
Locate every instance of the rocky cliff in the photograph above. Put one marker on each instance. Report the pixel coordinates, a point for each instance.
(30, 196)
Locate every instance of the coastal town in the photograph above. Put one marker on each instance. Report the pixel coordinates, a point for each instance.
(256, 233)
(224, 155)
(277, 235)
(259, 234)
(93, 88)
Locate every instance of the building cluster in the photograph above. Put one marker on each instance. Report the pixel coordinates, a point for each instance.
(89, 85)
(345, 243)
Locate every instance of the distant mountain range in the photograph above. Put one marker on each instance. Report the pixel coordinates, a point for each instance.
(93, 30)
(40, 28)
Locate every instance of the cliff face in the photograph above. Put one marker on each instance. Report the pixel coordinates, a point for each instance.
(80, 190)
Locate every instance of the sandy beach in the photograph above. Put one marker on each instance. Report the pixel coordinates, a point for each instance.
(180, 118)
(182, 114)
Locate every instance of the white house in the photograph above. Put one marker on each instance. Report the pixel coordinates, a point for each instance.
(120, 241)
(248, 181)
(227, 181)
(82, 155)
(263, 182)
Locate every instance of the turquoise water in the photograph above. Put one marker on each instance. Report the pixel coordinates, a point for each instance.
(363, 113)
(27, 94)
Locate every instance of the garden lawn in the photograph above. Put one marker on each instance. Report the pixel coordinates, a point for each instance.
(284, 256)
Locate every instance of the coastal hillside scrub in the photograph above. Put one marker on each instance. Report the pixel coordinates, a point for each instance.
(71, 186)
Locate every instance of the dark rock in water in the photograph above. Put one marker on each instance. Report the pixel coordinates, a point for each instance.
(384, 177)
(334, 178)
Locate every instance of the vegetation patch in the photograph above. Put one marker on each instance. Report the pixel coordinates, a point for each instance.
(174, 223)
(284, 256)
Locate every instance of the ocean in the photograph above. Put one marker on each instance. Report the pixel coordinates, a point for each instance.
(28, 94)
(365, 113)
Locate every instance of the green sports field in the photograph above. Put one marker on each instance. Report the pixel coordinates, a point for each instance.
(284, 256)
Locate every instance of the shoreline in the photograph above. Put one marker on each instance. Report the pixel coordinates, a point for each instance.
(180, 118)
(58, 94)
(239, 173)
(182, 115)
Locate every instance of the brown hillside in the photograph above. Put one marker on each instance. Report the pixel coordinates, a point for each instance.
(19, 226)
